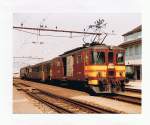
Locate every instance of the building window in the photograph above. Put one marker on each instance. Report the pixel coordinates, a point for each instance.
(137, 51)
(130, 51)
(140, 50)
(127, 52)
(125, 38)
(139, 35)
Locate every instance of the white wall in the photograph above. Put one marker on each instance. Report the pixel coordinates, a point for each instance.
(134, 55)
(132, 36)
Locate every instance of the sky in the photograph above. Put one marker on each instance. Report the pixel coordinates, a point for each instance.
(120, 23)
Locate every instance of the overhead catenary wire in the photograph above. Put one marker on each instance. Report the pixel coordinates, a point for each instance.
(22, 29)
(37, 34)
(29, 57)
(55, 30)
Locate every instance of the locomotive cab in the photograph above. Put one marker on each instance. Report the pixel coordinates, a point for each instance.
(106, 72)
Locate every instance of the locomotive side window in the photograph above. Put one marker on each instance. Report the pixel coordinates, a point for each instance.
(93, 61)
(110, 57)
(120, 58)
(98, 57)
(79, 59)
(86, 58)
(58, 63)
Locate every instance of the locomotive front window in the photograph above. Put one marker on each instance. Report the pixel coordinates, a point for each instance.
(110, 57)
(120, 58)
(98, 57)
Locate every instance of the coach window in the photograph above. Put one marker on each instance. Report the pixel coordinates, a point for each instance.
(110, 57)
(30, 69)
(33, 69)
(36, 69)
(40, 68)
(120, 58)
(45, 68)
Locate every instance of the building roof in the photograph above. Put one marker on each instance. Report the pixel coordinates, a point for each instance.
(137, 29)
(130, 43)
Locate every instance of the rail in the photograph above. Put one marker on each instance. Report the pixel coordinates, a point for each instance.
(62, 104)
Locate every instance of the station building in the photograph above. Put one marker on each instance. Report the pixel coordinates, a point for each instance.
(133, 45)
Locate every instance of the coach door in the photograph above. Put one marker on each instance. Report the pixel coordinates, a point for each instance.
(79, 67)
(69, 66)
(64, 65)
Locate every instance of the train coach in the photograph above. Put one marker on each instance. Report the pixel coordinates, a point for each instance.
(98, 66)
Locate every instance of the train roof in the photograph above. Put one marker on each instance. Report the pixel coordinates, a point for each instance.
(89, 46)
(25, 66)
(44, 62)
(37, 64)
(92, 46)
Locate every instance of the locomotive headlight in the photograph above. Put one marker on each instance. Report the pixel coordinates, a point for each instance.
(121, 73)
(99, 74)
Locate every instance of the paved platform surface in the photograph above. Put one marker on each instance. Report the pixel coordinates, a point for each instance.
(21, 105)
(111, 104)
(137, 84)
(54, 89)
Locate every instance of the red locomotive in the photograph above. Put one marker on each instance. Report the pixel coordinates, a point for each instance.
(98, 66)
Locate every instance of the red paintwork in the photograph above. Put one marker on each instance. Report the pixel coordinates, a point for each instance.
(78, 69)
(57, 70)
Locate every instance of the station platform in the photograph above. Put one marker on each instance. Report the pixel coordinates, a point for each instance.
(134, 84)
(22, 105)
(106, 103)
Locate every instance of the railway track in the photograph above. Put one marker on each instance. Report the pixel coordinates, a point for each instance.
(133, 90)
(119, 97)
(125, 98)
(62, 104)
